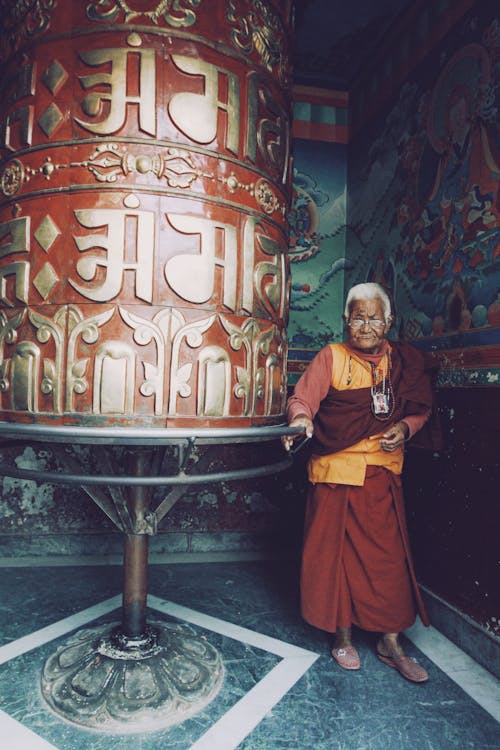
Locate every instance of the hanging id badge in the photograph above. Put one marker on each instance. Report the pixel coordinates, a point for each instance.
(380, 403)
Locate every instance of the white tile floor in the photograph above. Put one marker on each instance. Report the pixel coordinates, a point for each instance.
(476, 681)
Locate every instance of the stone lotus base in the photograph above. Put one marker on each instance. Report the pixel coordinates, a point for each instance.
(103, 680)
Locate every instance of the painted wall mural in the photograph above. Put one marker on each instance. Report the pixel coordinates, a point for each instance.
(317, 222)
(425, 202)
(317, 243)
(422, 213)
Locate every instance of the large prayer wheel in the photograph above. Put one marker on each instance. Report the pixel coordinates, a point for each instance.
(144, 188)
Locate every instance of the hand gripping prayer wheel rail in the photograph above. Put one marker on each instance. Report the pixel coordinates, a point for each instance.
(135, 675)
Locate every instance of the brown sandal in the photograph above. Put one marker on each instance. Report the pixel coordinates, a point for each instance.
(407, 666)
(347, 657)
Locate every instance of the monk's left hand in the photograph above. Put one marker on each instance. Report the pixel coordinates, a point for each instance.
(394, 437)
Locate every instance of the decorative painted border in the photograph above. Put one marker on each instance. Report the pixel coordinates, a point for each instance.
(487, 376)
(320, 115)
(465, 359)
(473, 365)
(480, 337)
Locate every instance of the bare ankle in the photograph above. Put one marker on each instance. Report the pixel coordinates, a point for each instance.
(389, 645)
(342, 638)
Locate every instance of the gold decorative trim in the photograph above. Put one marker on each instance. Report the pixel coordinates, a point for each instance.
(50, 120)
(108, 163)
(177, 13)
(55, 76)
(47, 169)
(144, 142)
(134, 39)
(32, 17)
(266, 197)
(260, 28)
(12, 178)
(170, 35)
(47, 233)
(45, 280)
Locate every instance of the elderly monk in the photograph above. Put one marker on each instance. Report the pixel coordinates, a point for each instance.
(360, 401)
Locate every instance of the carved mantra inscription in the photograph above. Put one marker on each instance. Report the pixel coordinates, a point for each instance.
(128, 91)
(143, 244)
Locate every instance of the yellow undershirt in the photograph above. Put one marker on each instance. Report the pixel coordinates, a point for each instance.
(350, 371)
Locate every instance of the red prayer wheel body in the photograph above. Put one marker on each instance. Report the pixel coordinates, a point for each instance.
(144, 189)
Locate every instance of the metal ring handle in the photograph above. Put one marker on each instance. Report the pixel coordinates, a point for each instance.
(53, 477)
(141, 435)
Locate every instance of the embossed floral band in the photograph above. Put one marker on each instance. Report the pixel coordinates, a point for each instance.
(144, 185)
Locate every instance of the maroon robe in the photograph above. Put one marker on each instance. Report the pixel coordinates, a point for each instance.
(356, 563)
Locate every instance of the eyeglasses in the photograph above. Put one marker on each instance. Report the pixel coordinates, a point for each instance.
(357, 323)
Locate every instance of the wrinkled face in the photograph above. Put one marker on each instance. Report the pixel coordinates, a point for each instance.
(367, 325)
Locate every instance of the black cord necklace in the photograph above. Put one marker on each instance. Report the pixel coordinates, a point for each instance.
(382, 393)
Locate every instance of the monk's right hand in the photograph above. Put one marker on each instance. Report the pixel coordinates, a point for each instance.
(301, 421)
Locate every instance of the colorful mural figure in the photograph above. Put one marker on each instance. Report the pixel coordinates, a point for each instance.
(434, 236)
(462, 113)
(457, 232)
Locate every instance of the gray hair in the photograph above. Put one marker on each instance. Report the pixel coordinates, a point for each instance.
(368, 291)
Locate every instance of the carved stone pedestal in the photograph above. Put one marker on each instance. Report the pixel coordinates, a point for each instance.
(133, 676)
(104, 680)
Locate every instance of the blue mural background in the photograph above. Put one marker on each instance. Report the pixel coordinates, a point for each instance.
(317, 243)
